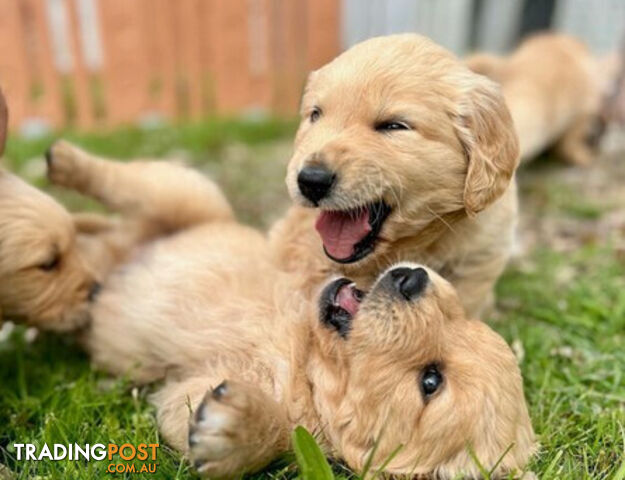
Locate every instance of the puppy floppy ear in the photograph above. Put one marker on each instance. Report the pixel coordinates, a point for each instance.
(4, 120)
(486, 132)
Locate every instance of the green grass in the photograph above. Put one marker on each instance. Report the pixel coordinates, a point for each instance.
(566, 310)
(196, 139)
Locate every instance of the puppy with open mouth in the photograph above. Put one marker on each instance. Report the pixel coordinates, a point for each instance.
(402, 153)
(398, 370)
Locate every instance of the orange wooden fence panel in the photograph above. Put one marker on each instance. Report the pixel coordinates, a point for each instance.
(174, 59)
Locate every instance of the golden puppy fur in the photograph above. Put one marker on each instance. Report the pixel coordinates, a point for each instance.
(205, 303)
(400, 120)
(51, 262)
(43, 279)
(554, 88)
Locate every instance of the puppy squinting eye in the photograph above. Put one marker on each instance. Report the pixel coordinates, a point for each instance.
(51, 264)
(431, 380)
(390, 126)
(315, 114)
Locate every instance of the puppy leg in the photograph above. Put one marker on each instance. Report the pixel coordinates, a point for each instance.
(226, 429)
(574, 145)
(93, 223)
(475, 283)
(167, 196)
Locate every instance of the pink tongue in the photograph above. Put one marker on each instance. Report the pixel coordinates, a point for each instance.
(340, 231)
(346, 300)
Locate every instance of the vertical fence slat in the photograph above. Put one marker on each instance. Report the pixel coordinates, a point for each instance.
(161, 57)
(188, 55)
(231, 57)
(171, 58)
(259, 63)
(14, 74)
(79, 75)
(125, 70)
(323, 38)
(208, 51)
(45, 98)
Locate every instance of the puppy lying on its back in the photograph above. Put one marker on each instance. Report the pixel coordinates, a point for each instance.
(407, 155)
(204, 307)
(554, 88)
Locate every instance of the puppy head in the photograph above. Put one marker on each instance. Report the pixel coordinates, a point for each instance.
(405, 369)
(43, 278)
(396, 132)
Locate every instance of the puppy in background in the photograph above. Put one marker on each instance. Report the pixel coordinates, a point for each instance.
(556, 91)
(43, 279)
(402, 154)
(52, 261)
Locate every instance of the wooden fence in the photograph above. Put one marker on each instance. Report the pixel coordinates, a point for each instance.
(91, 63)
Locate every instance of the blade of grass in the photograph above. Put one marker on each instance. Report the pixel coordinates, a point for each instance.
(387, 461)
(477, 462)
(312, 462)
(552, 465)
(492, 470)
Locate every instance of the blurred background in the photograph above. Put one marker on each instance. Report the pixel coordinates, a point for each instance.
(90, 64)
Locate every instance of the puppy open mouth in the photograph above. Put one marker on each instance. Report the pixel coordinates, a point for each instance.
(350, 235)
(339, 303)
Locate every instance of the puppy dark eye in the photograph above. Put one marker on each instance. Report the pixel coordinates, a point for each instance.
(315, 114)
(391, 126)
(431, 380)
(51, 264)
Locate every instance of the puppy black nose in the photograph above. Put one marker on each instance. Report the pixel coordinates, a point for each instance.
(93, 291)
(315, 182)
(409, 282)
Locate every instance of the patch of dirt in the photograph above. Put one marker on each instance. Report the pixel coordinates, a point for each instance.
(565, 207)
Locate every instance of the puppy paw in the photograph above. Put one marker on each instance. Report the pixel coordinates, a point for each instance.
(230, 433)
(65, 164)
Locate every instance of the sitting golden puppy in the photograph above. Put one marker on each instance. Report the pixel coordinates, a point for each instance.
(239, 344)
(554, 88)
(407, 155)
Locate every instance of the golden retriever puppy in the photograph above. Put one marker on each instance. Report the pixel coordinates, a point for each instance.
(406, 155)
(246, 355)
(253, 357)
(43, 279)
(51, 262)
(554, 88)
